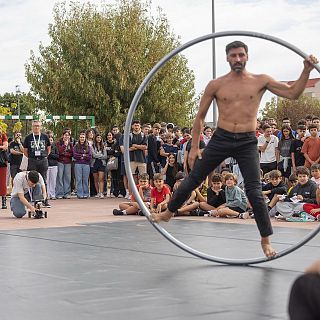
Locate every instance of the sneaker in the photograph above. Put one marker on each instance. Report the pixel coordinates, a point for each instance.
(117, 212)
(60, 197)
(120, 196)
(66, 197)
(244, 215)
(97, 195)
(202, 213)
(127, 196)
(140, 213)
(46, 204)
(53, 198)
(101, 196)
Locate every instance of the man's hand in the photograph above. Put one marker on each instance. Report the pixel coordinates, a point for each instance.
(309, 63)
(193, 155)
(32, 209)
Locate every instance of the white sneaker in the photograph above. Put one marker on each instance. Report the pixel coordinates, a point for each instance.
(101, 196)
(127, 196)
(97, 195)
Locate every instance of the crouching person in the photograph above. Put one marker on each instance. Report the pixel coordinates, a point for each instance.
(27, 186)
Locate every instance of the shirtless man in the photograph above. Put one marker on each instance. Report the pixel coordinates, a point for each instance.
(238, 94)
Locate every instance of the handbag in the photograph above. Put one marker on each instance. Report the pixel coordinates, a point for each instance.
(112, 164)
(24, 163)
(3, 159)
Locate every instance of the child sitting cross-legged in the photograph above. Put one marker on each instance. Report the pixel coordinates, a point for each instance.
(215, 195)
(236, 201)
(303, 192)
(132, 207)
(191, 205)
(315, 173)
(160, 194)
(273, 189)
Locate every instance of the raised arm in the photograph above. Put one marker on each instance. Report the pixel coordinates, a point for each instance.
(295, 90)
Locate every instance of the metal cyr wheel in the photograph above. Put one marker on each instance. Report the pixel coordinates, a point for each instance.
(132, 109)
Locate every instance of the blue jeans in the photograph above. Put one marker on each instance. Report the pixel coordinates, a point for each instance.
(63, 186)
(82, 172)
(17, 207)
(243, 148)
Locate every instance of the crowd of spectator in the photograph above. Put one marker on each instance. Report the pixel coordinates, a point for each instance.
(92, 165)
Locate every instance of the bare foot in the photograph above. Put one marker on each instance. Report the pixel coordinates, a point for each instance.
(164, 216)
(267, 248)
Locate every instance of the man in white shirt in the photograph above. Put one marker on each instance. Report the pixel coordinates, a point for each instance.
(27, 187)
(267, 144)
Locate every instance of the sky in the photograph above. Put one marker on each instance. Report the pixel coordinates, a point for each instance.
(24, 25)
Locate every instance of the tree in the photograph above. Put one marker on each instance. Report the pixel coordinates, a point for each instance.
(97, 60)
(293, 109)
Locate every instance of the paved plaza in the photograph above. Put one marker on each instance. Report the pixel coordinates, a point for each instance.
(84, 263)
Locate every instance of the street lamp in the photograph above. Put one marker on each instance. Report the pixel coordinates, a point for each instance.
(18, 92)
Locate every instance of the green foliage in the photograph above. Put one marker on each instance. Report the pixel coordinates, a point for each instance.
(27, 103)
(97, 60)
(293, 109)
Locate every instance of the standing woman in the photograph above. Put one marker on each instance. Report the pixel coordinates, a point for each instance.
(90, 134)
(65, 149)
(207, 134)
(98, 164)
(82, 154)
(283, 154)
(113, 150)
(4, 168)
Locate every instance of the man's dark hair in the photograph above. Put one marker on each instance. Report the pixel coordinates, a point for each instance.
(135, 121)
(302, 122)
(235, 45)
(315, 118)
(285, 118)
(33, 176)
(309, 117)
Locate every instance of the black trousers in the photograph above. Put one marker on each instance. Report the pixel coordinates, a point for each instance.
(243, 148)
(304, 301)
(39, 165)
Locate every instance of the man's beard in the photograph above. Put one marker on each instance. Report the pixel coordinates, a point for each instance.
(238, 67)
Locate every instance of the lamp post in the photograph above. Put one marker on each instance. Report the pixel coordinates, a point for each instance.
(214, 106)
(18, 92)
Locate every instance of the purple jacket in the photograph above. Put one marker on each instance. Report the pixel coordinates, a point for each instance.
(80, 154)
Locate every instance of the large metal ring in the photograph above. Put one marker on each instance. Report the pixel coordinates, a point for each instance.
(132, 109)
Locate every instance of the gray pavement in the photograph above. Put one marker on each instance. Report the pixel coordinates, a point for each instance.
(127, 270)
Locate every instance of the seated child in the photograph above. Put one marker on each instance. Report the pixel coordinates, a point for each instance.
(313, 209)
(303, 192)
(274, 188)
(132, 207)
(160, 194)
(215, 195)
(191, 205)
(315, 173)
(236, 200)
(292, 181)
